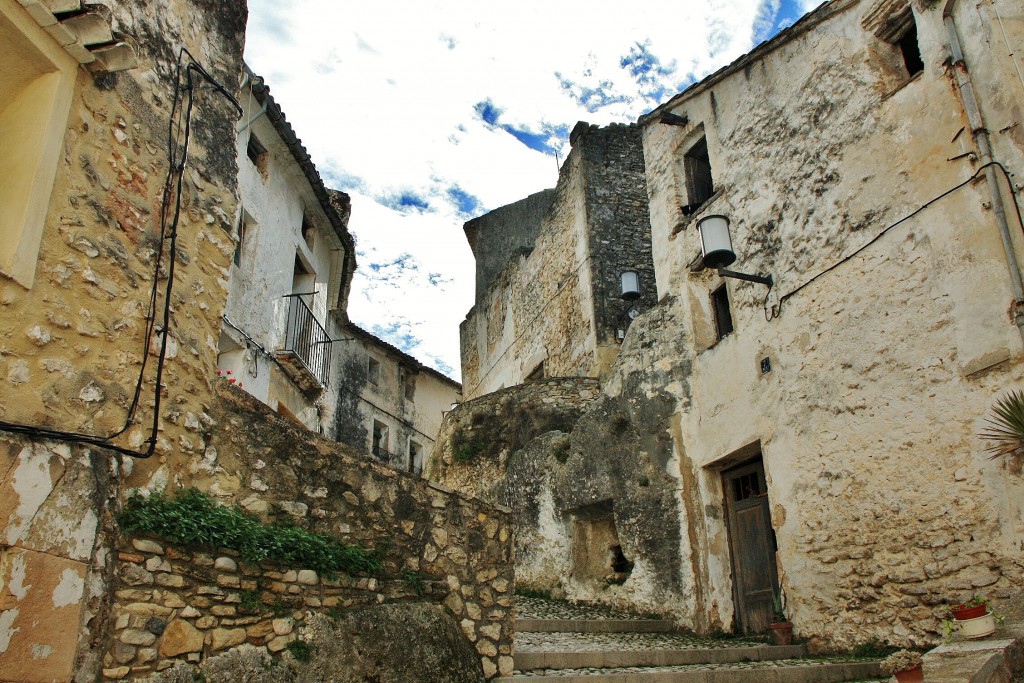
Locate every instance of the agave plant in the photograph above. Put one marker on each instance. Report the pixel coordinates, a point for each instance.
(1006, 429)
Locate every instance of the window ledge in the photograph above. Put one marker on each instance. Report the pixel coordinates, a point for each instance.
(685, 221)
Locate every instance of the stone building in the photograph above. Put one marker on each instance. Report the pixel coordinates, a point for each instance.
(118, 226)
(549, 269)
(290, 273)
(819, 439)
(390, 404)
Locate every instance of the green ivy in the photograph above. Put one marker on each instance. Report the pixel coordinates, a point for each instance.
(193, 518)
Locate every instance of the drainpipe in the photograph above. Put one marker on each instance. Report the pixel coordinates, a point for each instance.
(980, 134)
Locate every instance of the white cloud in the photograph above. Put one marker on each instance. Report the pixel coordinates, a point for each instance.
(384, 95)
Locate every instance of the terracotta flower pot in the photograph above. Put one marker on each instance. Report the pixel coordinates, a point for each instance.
(962, 613)
(915, 675)
(782, 633)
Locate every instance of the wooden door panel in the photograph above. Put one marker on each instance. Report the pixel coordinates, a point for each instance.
(752, 547)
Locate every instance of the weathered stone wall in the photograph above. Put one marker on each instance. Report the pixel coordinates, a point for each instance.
(504, 233)
(593, 467)
(71, 346)
(177, 605)
(275, 469)
(491, 427)
(619, 229)
(560, 302)
(883, 365)
(416, 419)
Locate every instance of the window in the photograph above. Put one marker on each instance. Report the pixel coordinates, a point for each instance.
(910, 49)
(257, 154)
(699, 184)
(246, 226)
(720, 306)
(35, 99)
(415, 464)
(372, 370)
(536, 375)
(380, 440)
(308, 231)
(407, 380)
(892, 21)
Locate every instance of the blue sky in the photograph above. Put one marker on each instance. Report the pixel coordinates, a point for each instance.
(429, 113)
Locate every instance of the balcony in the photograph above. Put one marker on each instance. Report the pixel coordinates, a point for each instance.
(306, 355)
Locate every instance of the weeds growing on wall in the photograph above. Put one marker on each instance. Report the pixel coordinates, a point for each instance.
(301, 650)
(193, 518)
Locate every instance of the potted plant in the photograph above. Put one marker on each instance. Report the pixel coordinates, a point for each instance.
(905, 665)
(782, 628)
(972, 619)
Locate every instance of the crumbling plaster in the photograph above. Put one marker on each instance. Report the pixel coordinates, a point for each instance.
(882, 370)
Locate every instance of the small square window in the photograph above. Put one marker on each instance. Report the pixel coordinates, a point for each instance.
(723, 316)
(373, 371)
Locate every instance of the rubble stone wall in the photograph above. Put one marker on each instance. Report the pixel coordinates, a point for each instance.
(72, 343)
(273, 468)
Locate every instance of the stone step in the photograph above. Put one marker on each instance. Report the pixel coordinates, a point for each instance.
(824, 670)
(563, 650)
(527, 661)
(594, 626)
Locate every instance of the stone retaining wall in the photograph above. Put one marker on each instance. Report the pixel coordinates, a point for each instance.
(173, 604)
(275, 469)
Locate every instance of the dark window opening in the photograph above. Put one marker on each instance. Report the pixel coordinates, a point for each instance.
(408, 380)
(257, 154)
(536, 375)
(911, 50)
(308, 233)
(243, 233)
(372, 371)
(380, 440)
(723, 316)
(415, 466)
(620, 565)
(699, 184)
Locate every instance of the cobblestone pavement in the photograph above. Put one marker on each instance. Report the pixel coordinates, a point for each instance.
(536, 608)
(604, 642)
(554, 673)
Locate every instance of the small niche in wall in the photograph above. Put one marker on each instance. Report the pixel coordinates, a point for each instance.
(598, 557)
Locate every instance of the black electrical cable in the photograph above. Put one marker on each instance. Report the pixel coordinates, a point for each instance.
(776, 309)
(176, 169)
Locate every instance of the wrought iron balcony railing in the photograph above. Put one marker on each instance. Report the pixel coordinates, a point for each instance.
(307, 347)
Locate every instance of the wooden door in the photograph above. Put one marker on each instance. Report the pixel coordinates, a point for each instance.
(752, 544)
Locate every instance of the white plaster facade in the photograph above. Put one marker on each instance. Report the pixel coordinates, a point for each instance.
(390, 404)
(849, 180)
(293, 247)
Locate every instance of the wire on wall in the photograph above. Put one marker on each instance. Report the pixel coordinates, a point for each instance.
(776, 309)
(179, 129)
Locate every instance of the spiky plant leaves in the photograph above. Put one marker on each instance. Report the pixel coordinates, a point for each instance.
(1006, 428)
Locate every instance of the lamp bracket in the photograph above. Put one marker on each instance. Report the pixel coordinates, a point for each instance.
(760, 279)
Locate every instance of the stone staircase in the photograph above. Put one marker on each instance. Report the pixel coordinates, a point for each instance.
(577, 643)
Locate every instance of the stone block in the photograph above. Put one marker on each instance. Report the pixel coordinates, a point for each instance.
(225, 564)
(133, 636)
(224, 638)
(307, 577)
(144, 545)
